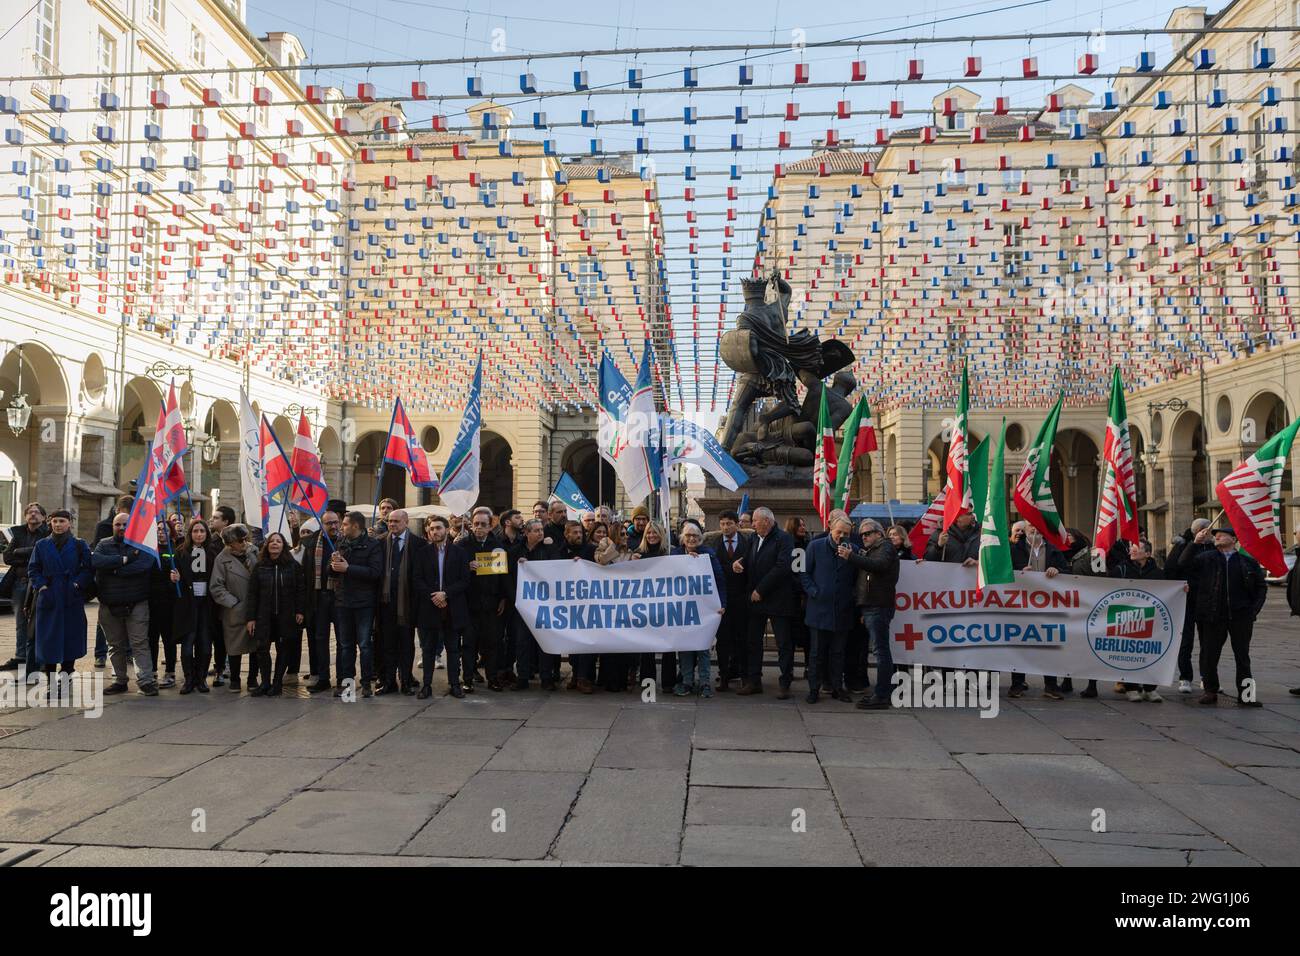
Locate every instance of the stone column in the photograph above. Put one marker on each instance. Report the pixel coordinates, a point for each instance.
(228, 479)
(1178, 473)
(48, 429)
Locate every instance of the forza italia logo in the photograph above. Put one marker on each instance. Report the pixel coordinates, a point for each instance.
(1130, 629)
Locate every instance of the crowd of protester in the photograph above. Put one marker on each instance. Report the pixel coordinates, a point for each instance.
(219, 592)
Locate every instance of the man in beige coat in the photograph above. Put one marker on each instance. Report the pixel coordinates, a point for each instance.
(232, 576)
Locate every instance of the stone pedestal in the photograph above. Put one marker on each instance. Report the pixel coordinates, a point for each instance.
(786, 489)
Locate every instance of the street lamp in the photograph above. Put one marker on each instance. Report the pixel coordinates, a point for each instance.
(1176, 405)
(209, 447)
(163, 370)
(294, 411)
(19, 411)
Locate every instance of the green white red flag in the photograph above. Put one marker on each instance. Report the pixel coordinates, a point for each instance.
(1117, 513)
(824, 463)
(859, 439)
(1033, 492)
(1252, 500)
(989, 497)
(958, 501)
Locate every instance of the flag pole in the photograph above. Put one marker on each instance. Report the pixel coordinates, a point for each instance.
(884, 486)
(383, 455)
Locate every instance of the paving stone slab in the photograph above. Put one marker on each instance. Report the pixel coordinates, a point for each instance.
(35, 809)
(1285, 779)
(97, 856)
(1162, 761)
(761, 807)
(736, 727)
(549, 749)
(1091, 722)
(18, 765)
(340, 821)
(337, 731)
(399, 763)
(884, 842)
(748, 768)
(649, 738)
(1061, 792)
(345, 859)
(626, 816)
(138, 758)
(1153, 841)
(485, 705)
(459, 730)
(912, 794)
(35, 716)
(116, 725)
(231, 790)
(848, 722)
(902, 744)
(29, 854)
(1234, 751)
(1068, 853)
(598, 713)
(534, 805)
(1258, 821)
(1009, 732)
(236, 722)
(767, 846)
(1259, 719)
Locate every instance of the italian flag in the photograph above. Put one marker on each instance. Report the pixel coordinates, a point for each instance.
(824, 463)
(859, 439)
(1117, 512)
(1033, 493)
(958, 498)
(1252, 499)
(989, 497)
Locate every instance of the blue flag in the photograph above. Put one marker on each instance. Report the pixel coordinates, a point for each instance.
(686, 441)
(458, 485)
(615, 396)
(567, 490)
(744, 504)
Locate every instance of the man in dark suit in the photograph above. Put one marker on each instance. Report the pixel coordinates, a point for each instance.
(731, 545)
(771, 598)
(397, 607)
(441, 582)
(320, 584)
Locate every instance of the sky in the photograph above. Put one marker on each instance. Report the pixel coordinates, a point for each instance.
(368, 32)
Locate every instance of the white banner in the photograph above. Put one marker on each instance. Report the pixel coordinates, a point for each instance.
(1069, 626)
(653, 604)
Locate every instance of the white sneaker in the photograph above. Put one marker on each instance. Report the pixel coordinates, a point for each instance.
(290, 680)
(1151, 697)
(1135, 695)
(1184, 687)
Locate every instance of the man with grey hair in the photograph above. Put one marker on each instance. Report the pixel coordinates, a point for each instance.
(1186, 541)
(877, 566)
(828, 581)
(771, 599)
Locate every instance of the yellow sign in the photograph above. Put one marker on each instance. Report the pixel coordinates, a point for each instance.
(491, 562)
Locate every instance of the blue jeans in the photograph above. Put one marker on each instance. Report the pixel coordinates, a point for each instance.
(353, 630)
(876, 621)
(319, 639)
(24, 642)
(691, 662)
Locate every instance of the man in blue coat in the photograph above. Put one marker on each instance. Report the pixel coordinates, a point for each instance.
(829, 580)
(59, 572)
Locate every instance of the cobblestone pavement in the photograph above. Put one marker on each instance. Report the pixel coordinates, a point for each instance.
(561, 778)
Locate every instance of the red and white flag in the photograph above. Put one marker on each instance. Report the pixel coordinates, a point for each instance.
(168, 451)
(929, 523)
(404, 450)
(1117, 512)
(308, 492)
(1252, 500)
(957, 495)
(825, 464)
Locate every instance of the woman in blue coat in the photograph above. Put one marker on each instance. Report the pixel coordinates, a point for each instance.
(60, 573)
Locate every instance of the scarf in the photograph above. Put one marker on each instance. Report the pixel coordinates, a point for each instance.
(60, 539)
(402, 575)
(318, 558)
